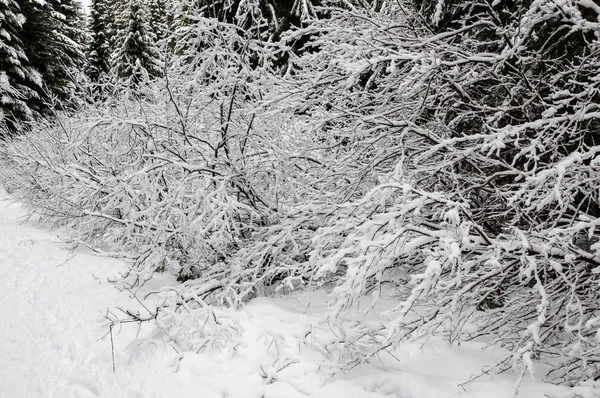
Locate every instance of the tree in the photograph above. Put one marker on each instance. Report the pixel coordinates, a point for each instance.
(54, 46)
(136, 58)
(284, 24)
(70, 36)
(19, 82)
(160, 19)
(99, 50)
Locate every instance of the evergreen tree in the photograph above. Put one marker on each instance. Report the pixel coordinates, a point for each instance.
(113, 9)
(160, 19)
(19, 83)
(53, 44)
(98, 51)
(136, 58)
(70, 35)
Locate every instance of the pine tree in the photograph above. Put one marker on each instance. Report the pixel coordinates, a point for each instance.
(98, 51)
(136, 58)
(19, 83)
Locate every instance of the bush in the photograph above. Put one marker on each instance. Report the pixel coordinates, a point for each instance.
(456, 164)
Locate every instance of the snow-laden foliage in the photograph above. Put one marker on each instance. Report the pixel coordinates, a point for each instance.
(449, 155)
(41, 57)
(19, 83)
(484, 139)
(192, 177)
(53, 38)
(136, 58)
(97, 67)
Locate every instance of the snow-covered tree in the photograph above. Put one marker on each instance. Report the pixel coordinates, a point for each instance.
(475, 135)
(19, 82)
(98, 50)
(54, 44)
(136, 58)
(70, 38)
(160, 18)
(266, 20)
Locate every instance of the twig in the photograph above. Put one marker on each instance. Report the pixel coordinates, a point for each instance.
(112, 347)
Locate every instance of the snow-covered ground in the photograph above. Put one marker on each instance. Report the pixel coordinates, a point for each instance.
(54, 342)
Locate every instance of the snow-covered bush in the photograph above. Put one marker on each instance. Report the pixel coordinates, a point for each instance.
(483, 137)
(198, 174)
(450, 155)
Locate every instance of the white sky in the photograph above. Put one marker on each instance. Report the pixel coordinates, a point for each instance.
(86, 4)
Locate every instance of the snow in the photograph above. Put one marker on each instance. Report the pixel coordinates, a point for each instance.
(54, 342)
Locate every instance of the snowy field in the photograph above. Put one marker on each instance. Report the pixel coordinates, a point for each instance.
(54, 342)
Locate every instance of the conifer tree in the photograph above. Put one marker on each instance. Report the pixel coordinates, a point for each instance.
(136, 58)
(19, 83)
(54, 46)
(113, 9)
(98, 51)
(70, 38)
(159, 18)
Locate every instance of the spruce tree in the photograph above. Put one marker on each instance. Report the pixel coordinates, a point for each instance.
(19, 83)
(113, 10)
(54, 46)
(136, 58)
(159, 18)
(98, 51)
(70, 37)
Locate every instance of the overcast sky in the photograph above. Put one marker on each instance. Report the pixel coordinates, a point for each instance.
(85, 3)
